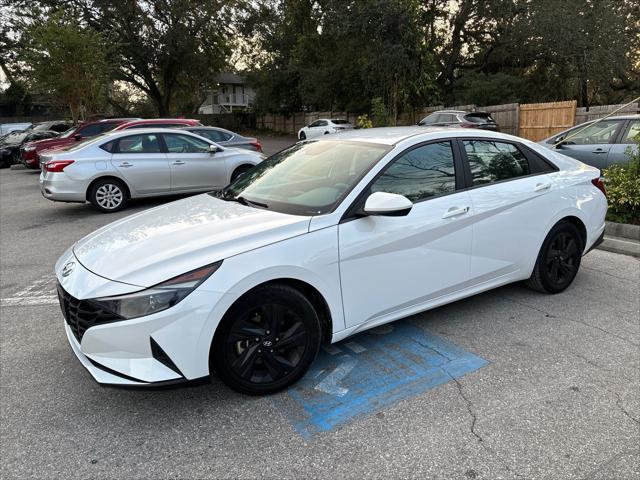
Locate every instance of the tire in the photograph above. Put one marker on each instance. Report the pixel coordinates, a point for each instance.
(108, 195)
(327, 133)
(303, 136)
(558, 261)
(254, 362)
(241, 170)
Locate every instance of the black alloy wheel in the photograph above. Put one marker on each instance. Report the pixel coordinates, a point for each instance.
(559, 259)
(267, 340)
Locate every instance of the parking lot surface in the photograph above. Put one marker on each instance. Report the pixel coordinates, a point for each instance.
(507, 384)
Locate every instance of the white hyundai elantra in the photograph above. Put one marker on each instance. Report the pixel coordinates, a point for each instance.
(320, 241)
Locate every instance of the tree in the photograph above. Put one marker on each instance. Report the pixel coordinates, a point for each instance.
(68, 61)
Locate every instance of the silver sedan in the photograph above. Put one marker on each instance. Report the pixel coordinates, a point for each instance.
(109, 169)
(226, 138)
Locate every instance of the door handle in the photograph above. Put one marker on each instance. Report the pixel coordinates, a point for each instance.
(541, 187)
(178, 162)
(126, 164)
(453, 211)
(598, 150)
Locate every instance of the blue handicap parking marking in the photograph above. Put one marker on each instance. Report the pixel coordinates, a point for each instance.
(370, 371)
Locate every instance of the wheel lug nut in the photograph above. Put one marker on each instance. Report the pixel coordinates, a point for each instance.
(257, 339)
(271, 350)
(277, 339)
(268, 332)
(259, 351)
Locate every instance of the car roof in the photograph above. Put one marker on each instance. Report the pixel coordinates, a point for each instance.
(206, 127)
(138, 131)
(395, 135)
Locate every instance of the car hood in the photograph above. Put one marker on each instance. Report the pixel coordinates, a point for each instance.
(158, 244)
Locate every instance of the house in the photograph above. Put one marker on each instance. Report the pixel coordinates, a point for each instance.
(231, 93)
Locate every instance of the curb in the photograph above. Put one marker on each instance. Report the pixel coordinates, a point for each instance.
(623, 230)
(621, 245)
(17, 166)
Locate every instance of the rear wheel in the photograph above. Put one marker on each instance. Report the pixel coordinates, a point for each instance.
(558, 261)
(108, 195)
(266, 341)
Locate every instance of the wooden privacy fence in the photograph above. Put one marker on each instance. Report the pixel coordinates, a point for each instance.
(541, 120)
(534, 121)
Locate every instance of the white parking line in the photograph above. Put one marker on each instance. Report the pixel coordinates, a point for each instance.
(22, 301)
(39, 292)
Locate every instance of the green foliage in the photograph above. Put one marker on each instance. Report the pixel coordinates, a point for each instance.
(379, 113)
(363, 121)
(70, 62)
(18, 98)
(623, 189)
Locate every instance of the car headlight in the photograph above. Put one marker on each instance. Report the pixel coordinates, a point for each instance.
(157, 298)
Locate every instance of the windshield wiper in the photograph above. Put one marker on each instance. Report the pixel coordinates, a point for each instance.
(249, 203)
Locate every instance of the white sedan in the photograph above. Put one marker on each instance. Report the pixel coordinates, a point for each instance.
(321, 241)
(110, 169)
(323, 126)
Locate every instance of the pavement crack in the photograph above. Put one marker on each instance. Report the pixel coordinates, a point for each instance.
(547, 314)
(608, 462)
(474, 420)
(621, 407)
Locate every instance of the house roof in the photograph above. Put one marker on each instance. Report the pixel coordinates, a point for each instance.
(229, 77)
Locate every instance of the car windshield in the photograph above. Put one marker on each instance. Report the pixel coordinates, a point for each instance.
(309, 178)
(15, 137)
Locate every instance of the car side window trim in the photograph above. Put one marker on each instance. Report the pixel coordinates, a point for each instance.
(351, 213)
(523, 149)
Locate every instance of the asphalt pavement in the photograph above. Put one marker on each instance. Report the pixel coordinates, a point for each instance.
(550, 387)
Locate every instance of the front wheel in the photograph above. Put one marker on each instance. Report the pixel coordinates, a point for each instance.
(266, 341)
(108, 195)
(303, 136)
(558, 261)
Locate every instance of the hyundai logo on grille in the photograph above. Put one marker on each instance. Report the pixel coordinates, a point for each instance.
(68, 268)
(267, 343)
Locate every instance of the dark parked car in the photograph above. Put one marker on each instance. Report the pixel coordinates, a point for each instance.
(460, 118)
(226, 138)
(59, 126)
(599, 143)
(11, 143)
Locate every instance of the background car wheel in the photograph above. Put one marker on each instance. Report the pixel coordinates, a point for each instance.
(108, 195)
(303, 136)
(559, 259)
(240, 171)
(266, 341)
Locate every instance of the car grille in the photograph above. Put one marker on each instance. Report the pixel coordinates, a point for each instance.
(81, 315)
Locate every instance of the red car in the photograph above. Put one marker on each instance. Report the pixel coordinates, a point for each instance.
(30, 152)
(159, 123)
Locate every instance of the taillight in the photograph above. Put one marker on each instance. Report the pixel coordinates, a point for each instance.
(57, 165)
(599, 184)
(257, 146)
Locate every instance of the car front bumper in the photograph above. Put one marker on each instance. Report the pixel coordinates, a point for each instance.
(170, 346)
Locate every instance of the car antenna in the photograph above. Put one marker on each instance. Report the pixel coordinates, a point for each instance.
(596, 121)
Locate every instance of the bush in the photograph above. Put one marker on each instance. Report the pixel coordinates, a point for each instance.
(379, 113)
(623, 189)
(364, 121)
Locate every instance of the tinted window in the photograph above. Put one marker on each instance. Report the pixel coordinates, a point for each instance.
(479, 117)
(433, 118)
(633, 130)
(95, 129)
(213, 135)
(322, 123)
(139, 144)
(448, 118)
(184, 144)
(315, 124)
(494, 161)
(339, 122)
(420, 173)
(599, 133)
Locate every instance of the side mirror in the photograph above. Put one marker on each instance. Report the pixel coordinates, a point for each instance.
(214, 149)
(387, 204)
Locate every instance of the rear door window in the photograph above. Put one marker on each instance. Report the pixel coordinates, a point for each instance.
(184, 144)
(631, 133)
(213, 135)
(597, 134)
(149, 143)
(492, 161)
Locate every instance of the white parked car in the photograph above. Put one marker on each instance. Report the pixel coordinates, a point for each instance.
(323, 126)
(109, 169)
(321, 241)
